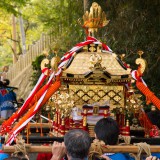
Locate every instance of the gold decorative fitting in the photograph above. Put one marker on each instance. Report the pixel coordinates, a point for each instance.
(131, 89)
(96, 60)
(44, 64)
(142, 62)
(54, 62)
(132, 81)
(92, 48)
(48, 108)
(95, 110)
(64, 103)
(153, 108)
(94, 19)
(127, 122)
(140, 53)
(85, 48)
(122, 56)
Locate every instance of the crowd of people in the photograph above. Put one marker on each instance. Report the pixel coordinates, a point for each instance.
(77, 143)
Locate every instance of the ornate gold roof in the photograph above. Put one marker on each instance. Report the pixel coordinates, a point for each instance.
(81, 64)
(92, 65)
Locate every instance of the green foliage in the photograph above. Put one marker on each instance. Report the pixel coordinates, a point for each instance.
(5, 59)
(36, 69)
(36, 66)
(134, 25)
(61, 18)
(11, 6)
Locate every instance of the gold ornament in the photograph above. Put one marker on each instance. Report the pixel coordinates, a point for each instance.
(94, 19)
(141, 61)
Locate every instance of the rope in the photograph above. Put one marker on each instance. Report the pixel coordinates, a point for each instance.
(20, 146)
(96, 148)
(141, 147)
(126, 139)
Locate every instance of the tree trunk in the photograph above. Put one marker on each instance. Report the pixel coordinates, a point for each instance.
(23, 37)
(14, 39)
(86, 5)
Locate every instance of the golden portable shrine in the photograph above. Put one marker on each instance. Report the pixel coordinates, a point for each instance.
(94, 80)
(86, 84)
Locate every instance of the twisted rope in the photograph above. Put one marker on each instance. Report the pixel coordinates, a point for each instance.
(141, 147)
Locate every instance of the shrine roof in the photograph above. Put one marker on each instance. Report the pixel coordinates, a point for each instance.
(81, 64)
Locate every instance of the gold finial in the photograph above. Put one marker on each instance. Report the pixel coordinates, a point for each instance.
(127, 122)
(94, 19)
(122, 56)
(44, 64)
(140, 61)
(54, 62)
(140, 53)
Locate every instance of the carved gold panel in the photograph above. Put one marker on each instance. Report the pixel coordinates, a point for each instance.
(89, 94)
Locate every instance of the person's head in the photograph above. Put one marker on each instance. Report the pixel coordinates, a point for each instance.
(5, 69)
(107, 130)
(77, 144)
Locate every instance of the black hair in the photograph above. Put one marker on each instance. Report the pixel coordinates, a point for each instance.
(6, 82)
(107, 130)
(1, 84)
(77, 143)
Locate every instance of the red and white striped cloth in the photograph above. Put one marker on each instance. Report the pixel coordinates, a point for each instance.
(14, 133)
(34, 90)
(6, 125)
(135, 76)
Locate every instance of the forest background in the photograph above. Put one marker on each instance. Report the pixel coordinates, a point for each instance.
(134, 25)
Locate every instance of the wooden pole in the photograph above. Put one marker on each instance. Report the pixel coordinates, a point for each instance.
(110, 149)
